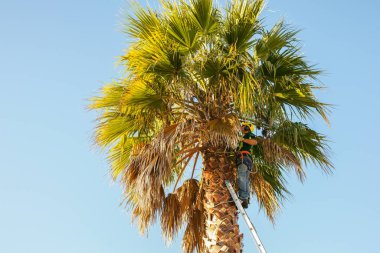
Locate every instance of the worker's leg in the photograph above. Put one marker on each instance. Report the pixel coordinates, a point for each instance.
(243, 181)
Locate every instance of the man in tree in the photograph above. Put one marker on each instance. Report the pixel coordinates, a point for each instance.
(244, 162)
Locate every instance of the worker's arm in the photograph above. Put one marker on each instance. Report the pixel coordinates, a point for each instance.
(249, 141)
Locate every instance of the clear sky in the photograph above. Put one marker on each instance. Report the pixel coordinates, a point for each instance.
(55, 193)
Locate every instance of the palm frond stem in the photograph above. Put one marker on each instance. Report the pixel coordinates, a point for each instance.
(180, 175)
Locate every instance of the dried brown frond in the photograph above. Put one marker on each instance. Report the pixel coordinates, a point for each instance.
(193, 237)
(182, 170)
(223, 130)
(154, 162)
(189, 153)
(275, 153)
(195, 164)
(150, 167)
(143, 217)
(195, 229)
(266, 195)
(146, 208)
(185, 148)
(200, 198)
(171, 217)
(137, 148)
(130, 175)
(187, 195)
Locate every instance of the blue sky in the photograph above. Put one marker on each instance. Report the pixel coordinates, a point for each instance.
(55, 193)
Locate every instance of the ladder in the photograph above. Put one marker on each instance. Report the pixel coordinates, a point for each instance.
(245, 216)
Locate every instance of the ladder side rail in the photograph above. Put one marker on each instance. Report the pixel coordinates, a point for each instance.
(245, 217)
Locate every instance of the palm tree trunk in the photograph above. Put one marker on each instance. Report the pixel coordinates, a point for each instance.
(222, 230)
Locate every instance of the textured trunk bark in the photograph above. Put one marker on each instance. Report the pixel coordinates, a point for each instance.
(222, 232)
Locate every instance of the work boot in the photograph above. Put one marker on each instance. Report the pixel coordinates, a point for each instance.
(244, 203)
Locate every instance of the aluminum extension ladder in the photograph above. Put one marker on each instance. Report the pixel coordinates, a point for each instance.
(245, 216)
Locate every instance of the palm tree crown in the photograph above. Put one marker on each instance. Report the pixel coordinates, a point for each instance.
(193, 72)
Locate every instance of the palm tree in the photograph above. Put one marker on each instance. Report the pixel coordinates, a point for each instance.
(193, 73)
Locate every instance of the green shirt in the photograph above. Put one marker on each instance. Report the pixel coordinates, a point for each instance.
(245, 146)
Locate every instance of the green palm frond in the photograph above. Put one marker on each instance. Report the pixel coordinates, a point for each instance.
(288, 63)
(116, 125)
(248, 95)
(204, 16)
(112, 95)
(143, 24)
(242, 23)
(144, 96)
(268, 186)
(169, 63)
(308, 145)
(272, 41)
(299, 99)
(212, 67)
(181, 30)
